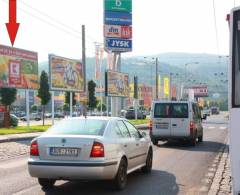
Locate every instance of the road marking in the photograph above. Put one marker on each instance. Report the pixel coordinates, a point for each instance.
(223, 128)
(211, 127)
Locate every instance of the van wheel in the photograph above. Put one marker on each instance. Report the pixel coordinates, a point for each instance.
(46, 183)
(148, 167)
(200, 139)
(120, 180)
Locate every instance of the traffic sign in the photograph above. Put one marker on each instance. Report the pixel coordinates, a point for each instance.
(118, 5)
(118, 45)
(118, 18)
(116, 31)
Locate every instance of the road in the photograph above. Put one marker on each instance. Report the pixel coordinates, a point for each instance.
(177, 169)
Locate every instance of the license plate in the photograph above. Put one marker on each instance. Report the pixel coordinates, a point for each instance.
(56, 151)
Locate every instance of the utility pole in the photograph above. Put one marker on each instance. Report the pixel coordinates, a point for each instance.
(84, 65)
(156, 78)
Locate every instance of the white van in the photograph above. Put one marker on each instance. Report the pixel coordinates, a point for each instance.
(176, 120)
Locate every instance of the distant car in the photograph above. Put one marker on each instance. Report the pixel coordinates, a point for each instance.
(48, 115)
(59, 115)
(130, 114)
(215, 110)
(93, 148)
(13, 120)
(205, 113)
(34, 116)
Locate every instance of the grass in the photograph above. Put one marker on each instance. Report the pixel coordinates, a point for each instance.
(23, 129)
(139, 122)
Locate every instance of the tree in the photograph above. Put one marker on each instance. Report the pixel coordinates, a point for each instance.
(92, 100)
(43, 92)
(34, 108)
(67, 98)
(7, 97)
(104, 108)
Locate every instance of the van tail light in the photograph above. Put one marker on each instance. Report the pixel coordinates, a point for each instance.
(150, 127)
(191, 127)
(97, 150)
(34, 149)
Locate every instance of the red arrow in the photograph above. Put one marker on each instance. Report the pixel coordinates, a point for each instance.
(12, 25)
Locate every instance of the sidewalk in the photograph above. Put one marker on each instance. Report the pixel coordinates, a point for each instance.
(24, 136)
(221, 184)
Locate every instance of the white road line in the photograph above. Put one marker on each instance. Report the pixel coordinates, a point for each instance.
(223, 128)
(211, 127)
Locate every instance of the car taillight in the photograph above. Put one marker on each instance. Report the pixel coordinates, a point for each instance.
(97, 150)
(191, 126)
(34, 149)
(150, 127)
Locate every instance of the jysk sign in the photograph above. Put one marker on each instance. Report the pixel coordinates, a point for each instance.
(120, 45)
(118, 18)
(118, 5)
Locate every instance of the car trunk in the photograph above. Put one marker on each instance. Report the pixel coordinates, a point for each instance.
(65, 147)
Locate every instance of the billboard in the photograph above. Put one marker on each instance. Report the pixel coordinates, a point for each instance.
(119, 45)
(166, 83)
(66, 74)
(117, 84)
(115, 31)
(118, 18)
(199, 91)
(18, 68)
(117, 5)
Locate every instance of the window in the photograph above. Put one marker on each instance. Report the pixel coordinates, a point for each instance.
(162, 110)
(123, 129)
(79, 127)
(114, 131)
(196, 112)
(133, 131)
(179, 110)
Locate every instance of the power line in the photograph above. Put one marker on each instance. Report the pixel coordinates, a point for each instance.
(55, 20)
(215, 25)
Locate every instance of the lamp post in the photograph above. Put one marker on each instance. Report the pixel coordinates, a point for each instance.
(157, 69)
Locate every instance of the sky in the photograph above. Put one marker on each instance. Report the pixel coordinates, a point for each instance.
(159, 26)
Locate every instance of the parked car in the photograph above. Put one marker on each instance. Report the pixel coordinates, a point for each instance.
(59, 115)
(130, 114)
(13, 120)
(93, 148)
(179, 120)
(205, 113)
(33, 116)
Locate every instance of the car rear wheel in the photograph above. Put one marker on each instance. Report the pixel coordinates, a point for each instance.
(193, 141)
(46, 183)
(200, 138)
(120, 180)
(148, 167)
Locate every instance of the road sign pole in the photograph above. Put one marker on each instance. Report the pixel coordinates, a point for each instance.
(27, 108)
(71, 104)
(53, 108)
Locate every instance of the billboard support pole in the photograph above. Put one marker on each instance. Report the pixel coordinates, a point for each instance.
(53, 108)
(71, 104)
(27, 108)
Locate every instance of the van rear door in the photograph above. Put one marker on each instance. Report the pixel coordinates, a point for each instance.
(180, 119)
(161, 121)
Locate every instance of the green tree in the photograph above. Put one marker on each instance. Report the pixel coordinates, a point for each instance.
(92, 100)
(67, 98)
(34, 108)
(104, 108)
(7, 97)
(43, 92)
(66, 107)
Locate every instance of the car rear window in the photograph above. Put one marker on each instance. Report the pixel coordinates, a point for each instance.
(79, 127)
(171, 110)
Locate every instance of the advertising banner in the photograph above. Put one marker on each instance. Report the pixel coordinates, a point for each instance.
(118, 18)
(118, 5)
(117, 84)
(115, 31)
(166, 86)
(119, 45)
(66, 74)
(18, 68)
(199, 91)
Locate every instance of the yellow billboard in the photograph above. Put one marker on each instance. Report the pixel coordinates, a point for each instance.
(18, 68)
(166, 83)
(117, 84)
(66, 74)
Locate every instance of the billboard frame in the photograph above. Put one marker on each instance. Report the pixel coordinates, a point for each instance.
(50, 75)
(107, 84)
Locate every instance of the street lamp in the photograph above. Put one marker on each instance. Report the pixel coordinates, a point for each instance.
(156, 63)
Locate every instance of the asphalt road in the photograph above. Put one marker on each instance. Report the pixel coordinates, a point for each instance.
(177, 169)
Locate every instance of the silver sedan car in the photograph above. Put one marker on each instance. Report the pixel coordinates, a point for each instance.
(93, 148)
